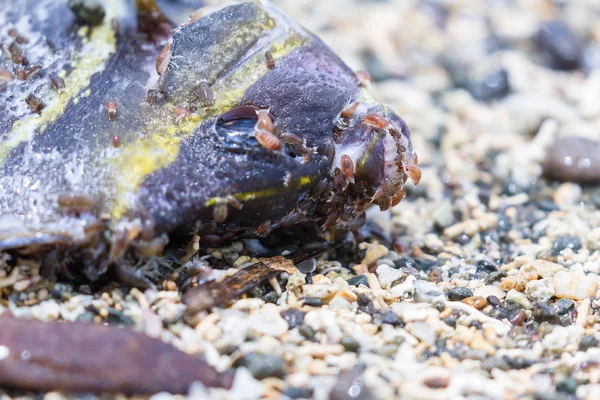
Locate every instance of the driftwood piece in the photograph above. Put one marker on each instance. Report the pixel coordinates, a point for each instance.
(86, 357)
(218, 293)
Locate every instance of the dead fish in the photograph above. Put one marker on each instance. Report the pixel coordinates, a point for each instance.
(258, 142)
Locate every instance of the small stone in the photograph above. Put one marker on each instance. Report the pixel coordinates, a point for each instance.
(263, 366)
(459, 293)
(350, 344)
(293, 317)
(494, 277)
(567, 194)
(489, 290)
(562, 48)
(389, 317)
(477, 302)
(545, 313)
(587, 342)
(373, 253)
(313, 302)
(351, 386)
(567, 385)
(294, 392)
(388, 275)
(437, 382)
(519, 298)
(517, 318)
(358, 280)
(563, 306)
(540, 290)
(574, 285)
(306, 331)
(427, 292)
(423, 332)
(443, 216)
(566, 242)
(493, 86)
(494, 301)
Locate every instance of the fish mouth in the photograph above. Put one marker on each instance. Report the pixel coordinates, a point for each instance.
(374, 151)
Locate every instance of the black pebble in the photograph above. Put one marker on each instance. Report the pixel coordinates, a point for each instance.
(545, 313)
(587, 342)
(263, 366)
(389, 317)
(495, 276)
(306, 331)
(563, 306)
(350, 344)
(365, 304)
(566, 242)
(294, 392)
(458, 293)
(548, 205)
(486, 266)
(494, 301)
(313, 302)
(562, 48)
(293, 317)
(493, 87)
(358, 280)
(567, 385)
(403, 262)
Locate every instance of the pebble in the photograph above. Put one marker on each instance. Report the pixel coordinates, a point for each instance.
(350, 344)
(263, 366)
(545, 313)
(477, 302)
(540, 290)
(350, 385)
(566, 242)
(573, 159)
(313, 301)
(494, 86)
(427, 292)
(458, 293)
(519, 298)
(562, 46)
(575, 285)
(588, 342)
(563, 306)
(423, 332)
(517, 318)
(443, 215)
(489, 290)
(293, 317)
(567, 194)
(373, 253)
(358, 280)
(388, 275)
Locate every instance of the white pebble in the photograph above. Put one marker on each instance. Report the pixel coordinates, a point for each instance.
(489, 290)
(519, 298)
(567, 194)
(575, 285)
(540, 290)
(387, 275)
(423, 332)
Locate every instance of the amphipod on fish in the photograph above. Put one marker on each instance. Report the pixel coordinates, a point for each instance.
(231, 125)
